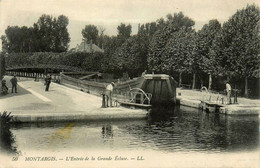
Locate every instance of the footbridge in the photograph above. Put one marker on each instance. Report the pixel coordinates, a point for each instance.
(39, 70)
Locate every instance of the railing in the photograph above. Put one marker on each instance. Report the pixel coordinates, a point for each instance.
(92, 87)
(137, 95)
(185, 86)
(43, 66)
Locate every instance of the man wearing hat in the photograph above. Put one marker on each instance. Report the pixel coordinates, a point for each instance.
(47, 82)
(14, 84)
(109, 91)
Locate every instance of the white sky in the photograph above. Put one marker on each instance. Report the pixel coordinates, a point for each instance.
(110, 13)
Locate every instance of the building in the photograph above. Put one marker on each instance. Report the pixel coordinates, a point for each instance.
(84, 46)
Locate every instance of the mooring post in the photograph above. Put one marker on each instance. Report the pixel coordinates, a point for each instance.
(103, 100)
(235, 96)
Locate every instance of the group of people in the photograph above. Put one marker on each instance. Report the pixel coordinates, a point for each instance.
(4, 88)
(108, 92)
(13, 80)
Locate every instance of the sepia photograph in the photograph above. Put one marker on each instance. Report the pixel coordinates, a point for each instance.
(130, 83)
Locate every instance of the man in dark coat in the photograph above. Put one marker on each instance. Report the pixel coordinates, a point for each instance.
(47, 82)
(14, 84)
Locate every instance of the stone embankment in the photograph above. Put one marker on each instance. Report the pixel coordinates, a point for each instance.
(33, 104)
(198, 99)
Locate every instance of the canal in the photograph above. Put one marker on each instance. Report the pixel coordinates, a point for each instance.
(181, 129)
(168, 131)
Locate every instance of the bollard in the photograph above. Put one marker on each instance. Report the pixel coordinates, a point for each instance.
(103, 101)
(235, 96)
(115, 103)
(222, 100)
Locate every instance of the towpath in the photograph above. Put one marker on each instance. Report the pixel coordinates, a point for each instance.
(59, 103)
(193, 98)
(32, 96)
(198, 95)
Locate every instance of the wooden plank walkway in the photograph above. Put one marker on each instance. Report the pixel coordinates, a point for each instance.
(134, 105)
(211, 106)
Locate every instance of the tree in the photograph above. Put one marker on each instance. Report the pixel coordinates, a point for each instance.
(101, 37)
(204, 43)
(48, 34)
(45, 31)
(110, 45)
(240, 43)
(131, 56)
(124, 31)
(178, 55)
(90, 32)
(52, 33)
(62, 38)
(163, 35)
(17, 39)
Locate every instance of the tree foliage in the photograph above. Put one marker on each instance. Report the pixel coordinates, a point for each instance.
(204, 43)
(90, 32)
(131, 56)
(178, 54)
(87, 61)
(124, 31)
(48, 34)
(161, 37)
(241, 36)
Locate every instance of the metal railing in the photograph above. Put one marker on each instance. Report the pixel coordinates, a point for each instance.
(137, 95)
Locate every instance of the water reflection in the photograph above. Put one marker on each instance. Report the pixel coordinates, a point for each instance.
(167, 130)
(188, 130)
(107, 132)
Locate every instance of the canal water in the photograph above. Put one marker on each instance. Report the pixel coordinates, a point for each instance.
(169, 130)
(178, 130)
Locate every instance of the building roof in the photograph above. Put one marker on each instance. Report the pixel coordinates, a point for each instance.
(87, 47)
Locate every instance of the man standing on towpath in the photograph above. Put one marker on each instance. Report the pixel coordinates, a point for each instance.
(14, 84)
(228, 89)
(47, 82)
(109, 91)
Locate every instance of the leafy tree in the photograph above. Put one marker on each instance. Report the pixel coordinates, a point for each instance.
(239, 43)
(100, 40)
(47, 34)
(62, 38)
(131, 57)
(124, 31)
(147, 29)
(52, 33)
(178, 54)
(90, 32)
(110, 45)
(161, 37)
(17, 39)
(204, 43)
(45, 30)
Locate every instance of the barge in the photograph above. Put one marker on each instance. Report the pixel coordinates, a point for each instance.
(148, 89)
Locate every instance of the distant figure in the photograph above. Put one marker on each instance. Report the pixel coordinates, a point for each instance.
(228, 89)
(144, 73)
(109, 91)
(47, 82)
(14, 84)
(4, 89)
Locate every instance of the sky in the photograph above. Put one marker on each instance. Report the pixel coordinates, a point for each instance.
(109, 14)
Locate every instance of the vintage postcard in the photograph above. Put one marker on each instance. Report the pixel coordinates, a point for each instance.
(129, 83)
